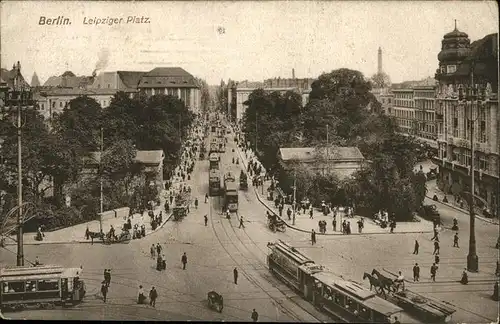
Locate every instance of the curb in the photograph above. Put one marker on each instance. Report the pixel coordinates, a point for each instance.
(487, 220)
(259, 198)
(88, 241)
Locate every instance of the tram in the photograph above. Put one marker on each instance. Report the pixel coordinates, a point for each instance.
(342, 299)
(40, 286)
(214, 161)
(214, 182)
(231, 196)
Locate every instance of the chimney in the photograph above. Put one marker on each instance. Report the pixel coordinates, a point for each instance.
(293, 73)
(379, 67)
(18, 67)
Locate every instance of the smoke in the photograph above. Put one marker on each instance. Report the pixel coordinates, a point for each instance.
(102, 60)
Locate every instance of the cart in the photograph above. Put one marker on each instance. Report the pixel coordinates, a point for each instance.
(275, 224)
(243, 181)
(124, 237)
(179, 212)
(215, 301)
(427, 309)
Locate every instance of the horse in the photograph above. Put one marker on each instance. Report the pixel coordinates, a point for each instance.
(374, 282)
(93, 235)
(385, 282)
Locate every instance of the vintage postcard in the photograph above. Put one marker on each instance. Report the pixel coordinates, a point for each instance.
(275, 161)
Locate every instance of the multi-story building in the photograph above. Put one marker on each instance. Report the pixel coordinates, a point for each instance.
(69, 80)
(126, 81)
(463, 65)
(403, 109)
(173, 81)
(385, 97)
(424, 98)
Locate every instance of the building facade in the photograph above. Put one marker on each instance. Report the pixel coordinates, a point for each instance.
(464, 65)
(173, 81)
(425, 117)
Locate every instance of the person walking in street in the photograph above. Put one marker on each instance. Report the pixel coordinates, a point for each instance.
(436, 248)
(158, 248)
(107, 276)
(206, 219)
(415, 249)
(313, 237)
(416, 272)
(140, 296)
(436, 259)
(196, 203)
(241, 222)
(235, 275)
(311, 213)
(184, 260)
(104, 291)
(436, 234)
(255, 316)
(455, 240)
(434, 269)
(289, 213)
(152, 251)
(152, 297)
(334, 224)
(206, 198)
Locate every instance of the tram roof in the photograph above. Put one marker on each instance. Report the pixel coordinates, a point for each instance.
(359, 293)
(292, 252)
(39, 272)
(214, 172)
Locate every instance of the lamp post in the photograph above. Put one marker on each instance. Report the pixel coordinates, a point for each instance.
(100, 180)
(21, 96)
(471, 99)
(294, 194)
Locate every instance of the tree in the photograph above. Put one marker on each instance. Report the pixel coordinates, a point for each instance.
(380, 80)
(222, 97)
(205, 95)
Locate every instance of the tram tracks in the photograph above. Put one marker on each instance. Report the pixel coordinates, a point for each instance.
(251, 278)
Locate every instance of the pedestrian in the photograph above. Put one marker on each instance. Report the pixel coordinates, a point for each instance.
(465, 278)
(206, 220)
(184, 260)
(455, 240)
(334, 224)
(152, 297)
(436, 248)
(108, 277)
(140, 296)
(415, 249)
(241, 222)
(310, 213)
(416, 272)
(436, 259)
(235, 275)
(196, 203)
(104, 291)
(255, 316)
(434, 269)
(436, 234)
(313, 237)
(158, 248)
(289, 213)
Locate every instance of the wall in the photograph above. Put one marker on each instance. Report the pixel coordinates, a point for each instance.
(115, 213)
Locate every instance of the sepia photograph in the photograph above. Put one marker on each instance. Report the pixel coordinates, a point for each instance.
(250, 161)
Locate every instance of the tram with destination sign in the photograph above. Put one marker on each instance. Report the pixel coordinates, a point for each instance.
(214, 160)
(214, 187)
(42, 286)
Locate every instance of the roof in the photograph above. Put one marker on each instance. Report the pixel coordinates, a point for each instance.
(167, 77)
(143, 157)
(8, 77)
(484, 53)
(131, 79)
(168, 71)
(78, 92)
(309, 153)
(68, 81)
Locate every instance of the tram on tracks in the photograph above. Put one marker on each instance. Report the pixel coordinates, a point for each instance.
(214, 187)
(42, 286)
(344, 300)
(214, 160)
(230, 192)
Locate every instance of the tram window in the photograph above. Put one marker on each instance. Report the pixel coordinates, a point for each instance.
(44, 285)
(364, 313)
(339, 299)
(31, 285)
(13, 287)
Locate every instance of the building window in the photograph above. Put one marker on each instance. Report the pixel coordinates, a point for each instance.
(468, 124)
(451, 69)
(43, 107)
(467, 158)
(60, 104)
(455, 123)
(483, 163)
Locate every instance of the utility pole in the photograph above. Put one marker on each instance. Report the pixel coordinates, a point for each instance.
(472, 258)
(327, 148)
(20, 253)
(100, 169)
(294, 193)
(256, 131)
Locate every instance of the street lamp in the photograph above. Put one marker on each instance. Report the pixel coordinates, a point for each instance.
(21, 96)
(472, 97)
(294, 194)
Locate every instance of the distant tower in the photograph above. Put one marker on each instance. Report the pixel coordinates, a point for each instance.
(379, 60)
(293, 73)
(34, 80)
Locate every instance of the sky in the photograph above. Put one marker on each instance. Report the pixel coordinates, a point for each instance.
(251, 40)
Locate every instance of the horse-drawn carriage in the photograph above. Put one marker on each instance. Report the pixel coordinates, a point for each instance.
(124, 237)
(215, 301)
(243, 180)
(274, 223)
(182, 202)
(427, 309)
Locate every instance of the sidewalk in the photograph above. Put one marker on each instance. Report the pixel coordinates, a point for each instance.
(304, 224)
(76, 233)
(432, 190)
